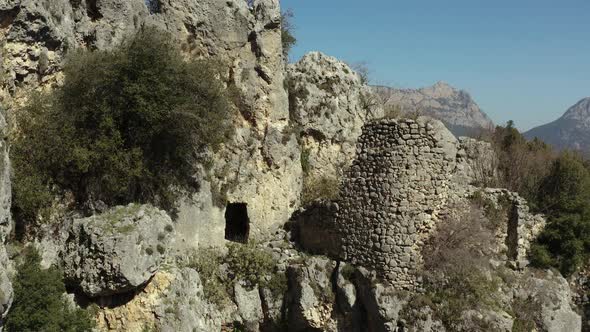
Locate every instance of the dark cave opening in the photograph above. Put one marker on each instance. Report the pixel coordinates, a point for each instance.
(237, 223)
(153, 6)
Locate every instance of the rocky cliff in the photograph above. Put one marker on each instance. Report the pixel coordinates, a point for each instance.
(244, 253)
(454, 107)
(260, 167)
(571, 131)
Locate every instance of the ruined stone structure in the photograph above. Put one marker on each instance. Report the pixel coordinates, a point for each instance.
(392, 193)
(521, 228)
(409, 176)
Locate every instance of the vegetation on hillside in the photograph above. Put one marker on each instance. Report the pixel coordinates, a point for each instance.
(246, 263)
(128, 125)
(39, 302)
(555, 184)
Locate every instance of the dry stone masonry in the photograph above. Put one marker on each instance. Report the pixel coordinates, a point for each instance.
(392, 193)
(517, 235)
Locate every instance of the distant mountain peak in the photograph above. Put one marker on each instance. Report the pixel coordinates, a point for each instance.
(580, 111)
(570, 131)
(454, 107)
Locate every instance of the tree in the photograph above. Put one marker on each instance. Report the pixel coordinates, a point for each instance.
(39, 304)
(564, 196)
(128, 125)
(362, 69)
(566, 189)
(287, 36)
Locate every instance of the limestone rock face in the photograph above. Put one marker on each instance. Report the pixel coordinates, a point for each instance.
(329, 105)
(172, 301)
(441, 101)
(259, 166)
(249, 306)
(551, 295)
(117, 251)
(476, 163)
(310, 300)
(6, 223)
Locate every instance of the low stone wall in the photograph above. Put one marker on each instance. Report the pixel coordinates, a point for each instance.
(521, 229)
(391, 195)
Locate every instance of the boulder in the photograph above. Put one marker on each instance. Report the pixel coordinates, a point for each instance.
(552, 301)
(310, 301)
(117, 251)
(249, 306)
(329, 104)
(6, 222)
(183, 306)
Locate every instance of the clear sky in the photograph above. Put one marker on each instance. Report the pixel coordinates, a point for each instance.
(525, 60)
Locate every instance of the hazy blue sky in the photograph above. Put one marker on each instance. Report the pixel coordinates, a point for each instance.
(525, 60)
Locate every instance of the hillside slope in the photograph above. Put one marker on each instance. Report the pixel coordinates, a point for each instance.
(571, 131)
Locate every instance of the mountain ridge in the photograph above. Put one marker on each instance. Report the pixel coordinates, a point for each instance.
(570, 131)
(455, 107)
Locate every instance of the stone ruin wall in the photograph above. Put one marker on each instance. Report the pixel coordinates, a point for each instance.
(392, 193)
(407, 178)
(522, 227)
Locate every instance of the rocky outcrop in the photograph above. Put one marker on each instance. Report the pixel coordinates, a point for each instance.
(441, 101)
(571, 131)
(6, 223)
(310, 300)
(549, 299)
(477, 163)
(117, 251)
(328, 107)
(172, 301)
(259, 166)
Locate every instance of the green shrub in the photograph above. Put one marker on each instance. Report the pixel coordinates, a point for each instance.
(245, 262)
(305, 166)
(522, 164)
(39, 304)
(128, 125)
(320, 187)
(249, 263)
(565, 197)
(495, 211)
(287, 37)
(216, 286)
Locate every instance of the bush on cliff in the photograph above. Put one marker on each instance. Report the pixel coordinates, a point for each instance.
(128, 125)
(39, 304)
(287, 37)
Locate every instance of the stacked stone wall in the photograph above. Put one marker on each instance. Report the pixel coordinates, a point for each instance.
(392, 193)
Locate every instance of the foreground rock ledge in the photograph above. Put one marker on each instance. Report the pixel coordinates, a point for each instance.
(117, 251)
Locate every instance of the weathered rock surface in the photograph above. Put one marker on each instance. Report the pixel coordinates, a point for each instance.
(328, 106)
(551, 299)
(259, 166)
(310, 300)
(6, 223)
(117, 251)
(172, 301)
(441, 101)
(249, 306)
